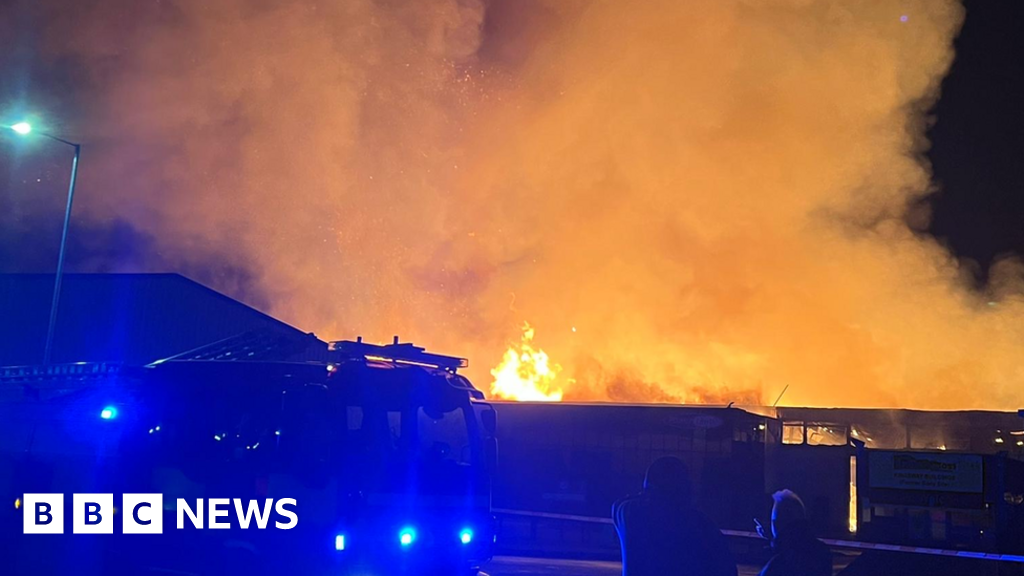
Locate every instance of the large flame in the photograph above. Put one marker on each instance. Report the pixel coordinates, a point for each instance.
(526, 373)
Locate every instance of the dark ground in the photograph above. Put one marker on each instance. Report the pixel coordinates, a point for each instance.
(883, 564)
(514, 566)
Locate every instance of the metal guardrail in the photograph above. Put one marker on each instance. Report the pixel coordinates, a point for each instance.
(834, 543)
(72, 371)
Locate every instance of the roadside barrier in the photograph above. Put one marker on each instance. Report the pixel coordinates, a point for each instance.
(834, 543)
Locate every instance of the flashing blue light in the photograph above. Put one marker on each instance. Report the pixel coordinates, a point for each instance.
(339, 542)
(108, 413)
(466, 535)
(407, 536)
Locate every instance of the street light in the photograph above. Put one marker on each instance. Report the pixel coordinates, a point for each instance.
(24, 128)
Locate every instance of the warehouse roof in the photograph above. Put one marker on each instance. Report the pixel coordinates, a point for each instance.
(129, 318)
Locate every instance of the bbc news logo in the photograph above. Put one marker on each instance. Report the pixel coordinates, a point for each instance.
(143, 513)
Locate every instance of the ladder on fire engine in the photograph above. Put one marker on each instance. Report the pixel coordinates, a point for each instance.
(398, 353)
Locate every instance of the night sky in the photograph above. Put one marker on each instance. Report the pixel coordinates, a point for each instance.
(978, 137)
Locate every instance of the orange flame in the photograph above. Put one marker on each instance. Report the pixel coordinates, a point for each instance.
(526, 373)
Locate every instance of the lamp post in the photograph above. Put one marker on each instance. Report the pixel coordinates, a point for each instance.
(24, 129)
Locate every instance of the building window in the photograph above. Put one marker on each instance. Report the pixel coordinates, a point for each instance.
(793, 433)
(936, 438)
(853, 496)
(827, 435)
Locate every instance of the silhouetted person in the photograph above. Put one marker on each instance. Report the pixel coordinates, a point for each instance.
(797, 551)
(663, 535)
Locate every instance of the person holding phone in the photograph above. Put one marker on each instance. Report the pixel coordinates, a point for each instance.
(796, 551)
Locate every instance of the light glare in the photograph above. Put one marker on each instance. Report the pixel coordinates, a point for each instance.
(108, 413)
(407, 536)
(466, 536)
(22, 128)
(339, 542)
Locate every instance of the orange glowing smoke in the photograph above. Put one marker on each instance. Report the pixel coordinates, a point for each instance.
(722, 196)
(526, 373)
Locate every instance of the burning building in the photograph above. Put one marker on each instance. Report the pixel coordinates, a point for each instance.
(574, 459)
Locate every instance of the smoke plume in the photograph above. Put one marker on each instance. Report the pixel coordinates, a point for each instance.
(688, 200)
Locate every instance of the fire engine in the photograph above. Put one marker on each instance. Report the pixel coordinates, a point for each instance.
(387, 450)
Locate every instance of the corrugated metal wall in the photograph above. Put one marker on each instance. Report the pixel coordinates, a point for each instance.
(580, 458)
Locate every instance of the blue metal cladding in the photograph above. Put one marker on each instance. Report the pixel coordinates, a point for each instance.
(129, 318)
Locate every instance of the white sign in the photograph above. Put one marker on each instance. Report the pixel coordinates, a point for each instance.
(926, 471)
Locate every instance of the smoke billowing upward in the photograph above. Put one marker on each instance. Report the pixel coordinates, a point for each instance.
(700, 200)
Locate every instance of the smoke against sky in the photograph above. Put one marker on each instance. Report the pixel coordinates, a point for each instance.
(697, 201)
